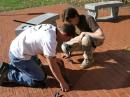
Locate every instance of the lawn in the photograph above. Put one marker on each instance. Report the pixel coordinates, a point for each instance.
(6, 5)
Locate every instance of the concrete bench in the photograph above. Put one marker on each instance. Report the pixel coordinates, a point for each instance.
(92, 9)
(42, 19)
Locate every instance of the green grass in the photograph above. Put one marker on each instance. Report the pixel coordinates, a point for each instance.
(6, 5)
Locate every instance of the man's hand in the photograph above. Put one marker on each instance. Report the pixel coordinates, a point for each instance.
(64, 87)
(56, 70)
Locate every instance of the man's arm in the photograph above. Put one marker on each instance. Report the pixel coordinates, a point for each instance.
(52, 61)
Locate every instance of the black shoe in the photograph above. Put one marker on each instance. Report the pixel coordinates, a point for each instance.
(3, 72)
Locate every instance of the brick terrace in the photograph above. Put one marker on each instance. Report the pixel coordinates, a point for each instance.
(108, 77)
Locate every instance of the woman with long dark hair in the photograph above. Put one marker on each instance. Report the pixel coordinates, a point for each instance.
(88, 32)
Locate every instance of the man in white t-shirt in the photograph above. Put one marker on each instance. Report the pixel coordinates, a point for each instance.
(40, 39)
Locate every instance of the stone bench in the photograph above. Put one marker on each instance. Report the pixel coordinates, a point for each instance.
(92, 9)
(42, 19)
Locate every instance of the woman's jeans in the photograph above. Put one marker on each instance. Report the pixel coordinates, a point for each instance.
(25, 72)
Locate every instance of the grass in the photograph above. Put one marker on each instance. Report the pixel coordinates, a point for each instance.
(6, 5)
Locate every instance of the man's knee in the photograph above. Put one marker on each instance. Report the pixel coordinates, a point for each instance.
(35, 83)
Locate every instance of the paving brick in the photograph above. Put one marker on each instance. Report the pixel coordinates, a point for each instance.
(109, 75)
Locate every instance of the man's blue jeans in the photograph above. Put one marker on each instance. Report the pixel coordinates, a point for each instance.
(25, 72)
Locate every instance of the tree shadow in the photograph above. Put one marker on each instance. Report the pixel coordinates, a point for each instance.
(111, 70)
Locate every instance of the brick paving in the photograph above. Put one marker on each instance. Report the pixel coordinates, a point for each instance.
(108, 77)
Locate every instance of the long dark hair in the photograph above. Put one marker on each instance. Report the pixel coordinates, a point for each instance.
(69, 13)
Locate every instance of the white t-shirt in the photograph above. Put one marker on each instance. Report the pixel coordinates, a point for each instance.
(40, 39)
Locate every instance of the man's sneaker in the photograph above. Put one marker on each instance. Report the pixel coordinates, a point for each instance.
(3, 72)
(87, 63)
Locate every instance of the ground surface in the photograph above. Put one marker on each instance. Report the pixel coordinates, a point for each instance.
(108, 77)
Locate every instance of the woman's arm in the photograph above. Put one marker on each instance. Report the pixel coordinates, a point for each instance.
(76, 39)
(98, 34)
